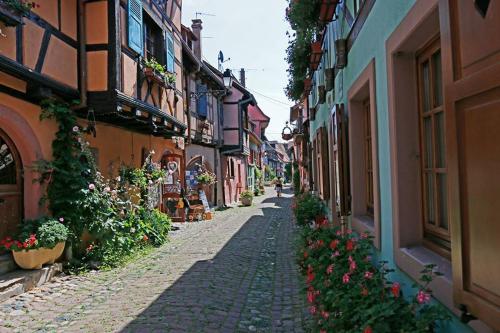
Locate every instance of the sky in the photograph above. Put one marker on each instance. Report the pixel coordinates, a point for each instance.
(252, 34)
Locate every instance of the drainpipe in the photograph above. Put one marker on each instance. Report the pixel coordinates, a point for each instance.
(82, 56)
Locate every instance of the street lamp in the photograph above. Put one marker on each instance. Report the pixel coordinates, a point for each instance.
(227, 78)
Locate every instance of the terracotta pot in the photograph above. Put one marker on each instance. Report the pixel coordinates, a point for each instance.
(34, 259)
(246, 201)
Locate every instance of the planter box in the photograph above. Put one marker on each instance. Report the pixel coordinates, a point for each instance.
(10, 17)
(327, 10)
(246, 201)
(153, 76)
(34, 259)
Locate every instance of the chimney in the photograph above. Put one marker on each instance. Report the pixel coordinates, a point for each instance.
(197, 27)
(242, 77)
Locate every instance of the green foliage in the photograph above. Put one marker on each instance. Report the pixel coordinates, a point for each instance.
(152, 63)
(307, 207)
(348, 293)
(303, 17)
(258, 174)
(246, 194)
(20, 6)
(103, 209)
(50, 233)
(288, 171)
(43, 232)
(296, 179)
(206, 177)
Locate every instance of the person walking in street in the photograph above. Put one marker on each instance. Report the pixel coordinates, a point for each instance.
(278, 186)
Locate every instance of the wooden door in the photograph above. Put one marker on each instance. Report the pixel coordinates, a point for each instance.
(11, 197)
(173, 185)
(471, 56)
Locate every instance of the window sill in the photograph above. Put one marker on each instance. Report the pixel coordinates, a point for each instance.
(412, 261)
(364, 223)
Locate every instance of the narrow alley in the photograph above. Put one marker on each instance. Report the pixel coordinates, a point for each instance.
(236, 273)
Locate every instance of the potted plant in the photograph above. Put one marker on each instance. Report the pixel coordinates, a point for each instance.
(246, 198)
(206, 178)
(12, 11)
(153, 70)
(39, 242)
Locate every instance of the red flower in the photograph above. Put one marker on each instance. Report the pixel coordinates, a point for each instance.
(325, 314)
(346, 278)
(310, 277)
(312, 309)
(395, 289)
(329, 269)
(333, 244)
(306, 254)
(310, 297)
(349, 245)
(145, 238)
(367, 329)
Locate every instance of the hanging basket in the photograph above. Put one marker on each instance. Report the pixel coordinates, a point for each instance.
(287, 133)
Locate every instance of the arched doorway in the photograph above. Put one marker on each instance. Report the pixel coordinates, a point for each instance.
(11, 187)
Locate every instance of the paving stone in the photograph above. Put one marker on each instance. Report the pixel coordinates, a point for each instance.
(236, 273)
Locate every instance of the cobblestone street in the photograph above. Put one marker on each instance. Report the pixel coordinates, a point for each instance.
(236, 273)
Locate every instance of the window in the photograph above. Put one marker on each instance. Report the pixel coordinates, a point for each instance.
(432, 150)
(170, 52)
(363, 154)
(368, 158)
(322, 163)
(153, 40)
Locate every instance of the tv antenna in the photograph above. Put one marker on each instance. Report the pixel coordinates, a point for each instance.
(203, 14)
(221, 60)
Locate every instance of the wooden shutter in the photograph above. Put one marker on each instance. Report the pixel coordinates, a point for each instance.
(169, 47)
(202, 103)
(135, 34)
(344, 195)
(471, 73)
(325, 163)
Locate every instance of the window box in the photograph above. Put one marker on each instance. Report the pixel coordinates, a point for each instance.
(316, 53)
(327, 10)
(10, 16)
(340, 53)
(153, 75)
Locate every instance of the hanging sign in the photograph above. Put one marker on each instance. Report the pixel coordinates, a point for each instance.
(204, 201)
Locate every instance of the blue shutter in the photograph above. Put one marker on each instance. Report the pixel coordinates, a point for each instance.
(202, 103)
(135, 26)
(170, 52)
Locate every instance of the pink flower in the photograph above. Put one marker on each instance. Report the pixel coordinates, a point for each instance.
(336, 254)
(91, 187)
(368, 275)
(364, 235)
(338, 233)
(349, 231)
(107, 189)
(61, 219)
(368, 329)
(310, 296)
(329, 269)
(312, 309)
(75, 129)
(346, 278)
(395, 289)
(423, 297)
(325, 314)
(352, 266)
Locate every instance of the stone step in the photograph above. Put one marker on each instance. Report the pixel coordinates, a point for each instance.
(20, 281)
(6, 263)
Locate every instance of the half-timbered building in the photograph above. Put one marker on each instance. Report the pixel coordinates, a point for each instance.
(98, 53)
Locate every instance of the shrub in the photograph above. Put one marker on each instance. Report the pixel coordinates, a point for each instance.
(246, 194)
(307, 207)
(43, 232)
(296, 179)
(348, 293)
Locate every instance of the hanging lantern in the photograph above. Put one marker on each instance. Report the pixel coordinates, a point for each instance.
(287, 133)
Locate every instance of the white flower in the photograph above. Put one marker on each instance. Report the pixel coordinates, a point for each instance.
(150, 182)
(91, 187)
(152, 152)
(113, 192)
(132, 230)
(107, 189)
(75, 129)
(61, 219)
(118, 179)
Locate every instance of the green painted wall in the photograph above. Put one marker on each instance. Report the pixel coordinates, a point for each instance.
(370, 44)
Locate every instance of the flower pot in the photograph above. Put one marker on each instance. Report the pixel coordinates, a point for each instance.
(10, 17)
(327, 10)
(246, 201)
(34, 259)
(153, 75)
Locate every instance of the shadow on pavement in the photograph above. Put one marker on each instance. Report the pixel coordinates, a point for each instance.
(235, 287)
